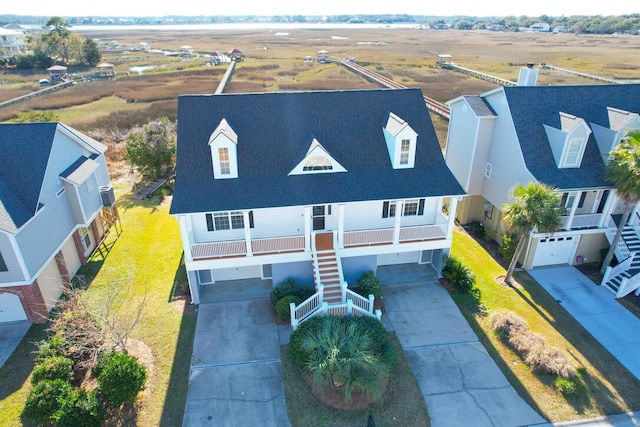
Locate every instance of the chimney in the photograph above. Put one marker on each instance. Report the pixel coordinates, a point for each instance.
(528, 76)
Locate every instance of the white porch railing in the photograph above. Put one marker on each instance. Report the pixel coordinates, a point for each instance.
(581, 221)
(385, 235)
(629, 285)
(306, 309)
(611, 272)
(239, 247)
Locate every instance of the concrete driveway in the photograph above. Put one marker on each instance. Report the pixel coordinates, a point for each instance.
(11, 334)
(461, 383)
(596, 309)
(235, 377)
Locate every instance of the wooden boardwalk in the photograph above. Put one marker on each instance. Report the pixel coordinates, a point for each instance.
(148, 189)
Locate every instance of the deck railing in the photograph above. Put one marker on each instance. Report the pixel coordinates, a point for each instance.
(629, 285)
(582, 221)
(285, 244)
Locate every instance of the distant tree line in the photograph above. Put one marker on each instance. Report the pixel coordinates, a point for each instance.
(59, 46)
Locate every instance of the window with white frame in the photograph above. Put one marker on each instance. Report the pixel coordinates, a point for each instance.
(487, 170)
(413, 207)
(388, 209)
(231, 220)
(205, 277)
(223, 155)
(317, 163)
(573, 155)
(405, 147)
(85, 238)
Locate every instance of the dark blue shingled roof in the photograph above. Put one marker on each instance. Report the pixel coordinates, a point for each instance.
(24, 154)
(274, 128)
(534, 106)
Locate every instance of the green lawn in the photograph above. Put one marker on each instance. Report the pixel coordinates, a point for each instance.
(142, 264)
(611, 388)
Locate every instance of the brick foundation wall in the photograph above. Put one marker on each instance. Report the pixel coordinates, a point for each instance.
(79, 248)
(32, 301)
(62, 268)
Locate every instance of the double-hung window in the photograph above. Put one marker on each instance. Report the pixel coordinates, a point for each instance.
(84, 237)
(411, 207)
(405, 147)
(231, 220)
(225, 166)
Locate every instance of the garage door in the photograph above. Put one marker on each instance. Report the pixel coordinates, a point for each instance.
(237, 273)
(554, 251)
(11, 308)
(399, 258)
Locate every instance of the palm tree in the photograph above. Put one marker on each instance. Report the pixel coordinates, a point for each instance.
(623, 170)
(340, 354)
(534, 206)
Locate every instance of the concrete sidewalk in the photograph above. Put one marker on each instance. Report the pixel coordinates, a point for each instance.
(596, 309)
(461, 383)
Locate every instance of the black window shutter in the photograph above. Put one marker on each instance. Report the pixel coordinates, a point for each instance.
(583, 196)
(421, 207)
(385, 209)
(251, 219)
(210, 222)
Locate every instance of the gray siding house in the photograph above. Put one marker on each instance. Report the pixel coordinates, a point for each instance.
(53, 181)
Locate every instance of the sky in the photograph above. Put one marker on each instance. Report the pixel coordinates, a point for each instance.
(324, 7)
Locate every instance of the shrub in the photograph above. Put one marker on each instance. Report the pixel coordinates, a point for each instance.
(44, 399)
(82, 409)
(477, 229)
(506, 322)
(508, 245)
(459, 275)
(551, 360)
(297, 355)
(54, 346)
(570, 386)
(283, 309)
(287, 288)
(53, 368)
(121, 378)
(369, 284)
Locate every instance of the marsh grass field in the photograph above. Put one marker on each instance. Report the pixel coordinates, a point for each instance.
(274, 61)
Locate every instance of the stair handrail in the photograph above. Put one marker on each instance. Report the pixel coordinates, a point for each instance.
(629, 285)
(622, 251)
(611, 272)
(338, 260)
(306, 308)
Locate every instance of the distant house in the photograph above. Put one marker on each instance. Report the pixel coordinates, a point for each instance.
(540, 27)
(56, 204)
(272, 185)
(556, 135)
(12, 43)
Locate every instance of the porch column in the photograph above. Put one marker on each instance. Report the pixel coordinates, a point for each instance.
(609, 206)
(341, 226)
(185, 234)
(396, 225)
(307, 228)
(453, 204)
(574, 207)
(247, 232)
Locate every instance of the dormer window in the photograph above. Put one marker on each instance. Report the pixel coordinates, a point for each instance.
(223, 156)
(224, 151)
(620, 122)
(401, 142)
(569, 142)
(317, 160)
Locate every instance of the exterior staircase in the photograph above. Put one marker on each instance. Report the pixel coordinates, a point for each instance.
(627, 268)
(329, 275)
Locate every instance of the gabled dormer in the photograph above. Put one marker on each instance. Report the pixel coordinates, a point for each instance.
(317, 160)
(224, 151)
(401, 142)
(569, 142)
(620, 122)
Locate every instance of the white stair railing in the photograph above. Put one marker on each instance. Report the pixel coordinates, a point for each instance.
(306, 309)
(612, 272)
(629, 285)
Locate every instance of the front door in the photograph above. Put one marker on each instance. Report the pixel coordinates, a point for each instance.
(318, 214)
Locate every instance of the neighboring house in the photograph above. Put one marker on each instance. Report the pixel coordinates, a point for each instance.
(11, 43)
(540, 27)
(315, 186)
(54, 187)
(557, 135)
